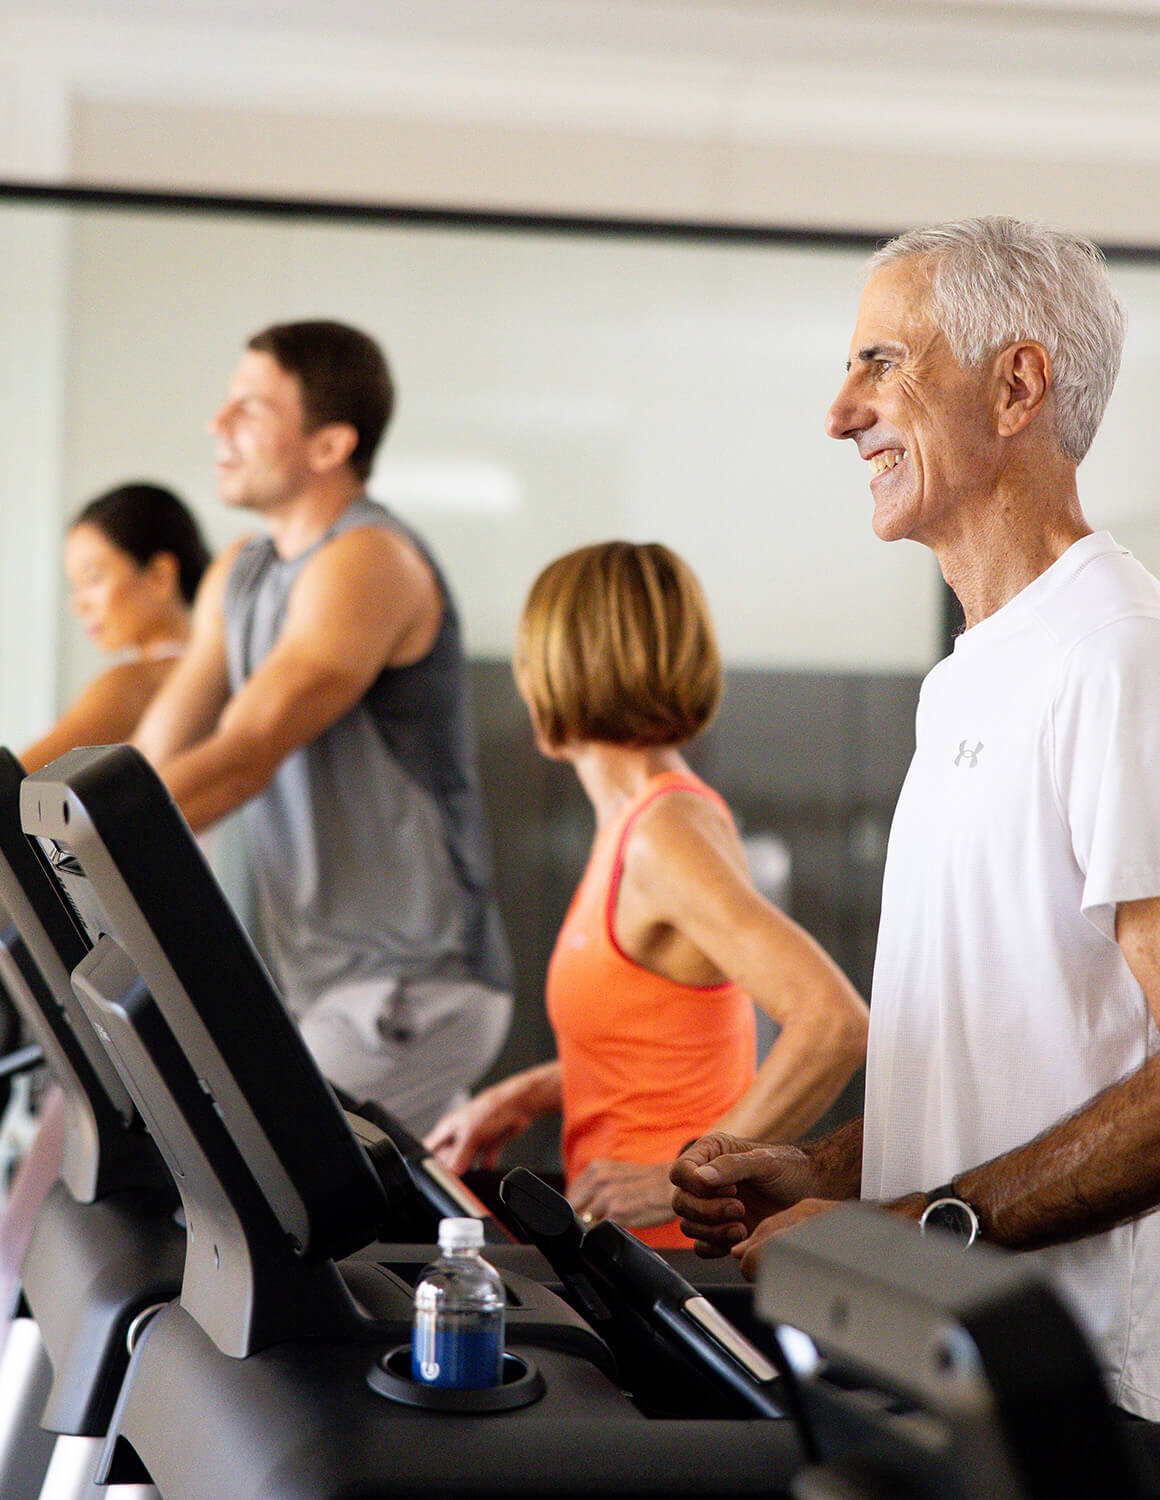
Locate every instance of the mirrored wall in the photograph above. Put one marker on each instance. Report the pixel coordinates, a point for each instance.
(557, 385)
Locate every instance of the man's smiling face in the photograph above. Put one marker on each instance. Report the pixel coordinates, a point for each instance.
(262, 443)
(921, 421)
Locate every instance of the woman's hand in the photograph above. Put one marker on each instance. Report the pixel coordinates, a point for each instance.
(634, 1195)
(476, 1132)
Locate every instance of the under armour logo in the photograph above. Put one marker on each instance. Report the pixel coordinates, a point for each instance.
(970, 756)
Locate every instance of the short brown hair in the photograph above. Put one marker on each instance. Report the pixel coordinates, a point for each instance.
(616, 645)
(343, 375)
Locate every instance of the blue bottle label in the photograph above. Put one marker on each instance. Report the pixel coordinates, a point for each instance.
(458, 1357)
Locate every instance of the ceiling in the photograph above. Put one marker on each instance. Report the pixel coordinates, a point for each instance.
(664, 23)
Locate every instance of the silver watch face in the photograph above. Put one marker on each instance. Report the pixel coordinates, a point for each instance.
(954, 1217)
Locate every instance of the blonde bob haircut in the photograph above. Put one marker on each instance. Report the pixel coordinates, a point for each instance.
(615, 645)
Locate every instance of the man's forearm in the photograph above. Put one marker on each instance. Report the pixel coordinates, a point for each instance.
(1097, 1168)
(211, 780)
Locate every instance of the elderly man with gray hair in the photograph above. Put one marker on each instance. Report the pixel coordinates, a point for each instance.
(1013, 1081)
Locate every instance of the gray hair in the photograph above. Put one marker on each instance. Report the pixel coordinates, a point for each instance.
(996, 280)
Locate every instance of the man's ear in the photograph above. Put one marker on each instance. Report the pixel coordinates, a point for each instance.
(1024, 378)
(331, 445)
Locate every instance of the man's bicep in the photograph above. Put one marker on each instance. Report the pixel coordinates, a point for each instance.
(357, 608)
(186, 707)
(365, 602)
(341, 629)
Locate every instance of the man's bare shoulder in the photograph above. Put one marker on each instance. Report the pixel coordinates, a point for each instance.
(371, 593)
(209, 603)
(374, 545)
(370, 559)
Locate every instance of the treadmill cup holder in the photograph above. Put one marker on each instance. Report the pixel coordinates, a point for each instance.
(521, 1385)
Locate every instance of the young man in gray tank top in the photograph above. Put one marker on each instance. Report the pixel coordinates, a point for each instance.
(324, 692)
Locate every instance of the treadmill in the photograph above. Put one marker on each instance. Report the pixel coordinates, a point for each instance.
(106, 1244)
(282, 1370)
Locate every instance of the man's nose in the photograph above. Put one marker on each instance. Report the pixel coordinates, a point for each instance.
(847, 416)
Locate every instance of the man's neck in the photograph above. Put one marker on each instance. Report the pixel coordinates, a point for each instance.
(305, 518)
(1009, 542)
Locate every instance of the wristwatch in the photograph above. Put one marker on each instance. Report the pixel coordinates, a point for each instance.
(945, 1210)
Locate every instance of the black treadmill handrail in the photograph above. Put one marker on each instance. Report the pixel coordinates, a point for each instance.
(108, 812)
(409, 1171)
(633, 1298)
(105, 1147)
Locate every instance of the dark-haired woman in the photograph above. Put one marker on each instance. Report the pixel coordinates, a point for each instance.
(134, 557)
(666, 942)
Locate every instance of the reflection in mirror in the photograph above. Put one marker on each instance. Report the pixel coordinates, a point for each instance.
(554, 388)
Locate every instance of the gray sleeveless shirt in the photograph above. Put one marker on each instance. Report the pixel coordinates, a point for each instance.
(369, 848)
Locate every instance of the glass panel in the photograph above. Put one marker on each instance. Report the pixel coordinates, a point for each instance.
(554, 389)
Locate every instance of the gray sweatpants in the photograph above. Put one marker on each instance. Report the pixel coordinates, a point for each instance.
(415, 1047)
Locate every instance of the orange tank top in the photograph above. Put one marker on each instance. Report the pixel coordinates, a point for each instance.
(644, 1063)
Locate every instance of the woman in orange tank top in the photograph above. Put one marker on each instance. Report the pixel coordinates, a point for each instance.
(666, 943)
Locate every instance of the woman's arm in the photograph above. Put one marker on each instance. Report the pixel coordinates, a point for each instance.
(478, 1130)
(685, 874)
(106, 713)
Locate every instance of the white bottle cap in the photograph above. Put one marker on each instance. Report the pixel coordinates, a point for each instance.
(460, 1234)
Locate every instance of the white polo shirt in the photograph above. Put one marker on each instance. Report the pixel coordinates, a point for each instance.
(1001, 1000)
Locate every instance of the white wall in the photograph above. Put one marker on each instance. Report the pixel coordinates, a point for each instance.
(34, 324)
(553, 391)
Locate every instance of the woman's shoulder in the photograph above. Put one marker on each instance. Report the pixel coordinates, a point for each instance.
(677, 814)
(127, 686)
(106, 712)
(679, 795)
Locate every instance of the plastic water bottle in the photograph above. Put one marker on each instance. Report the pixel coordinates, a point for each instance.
(457, 1339)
